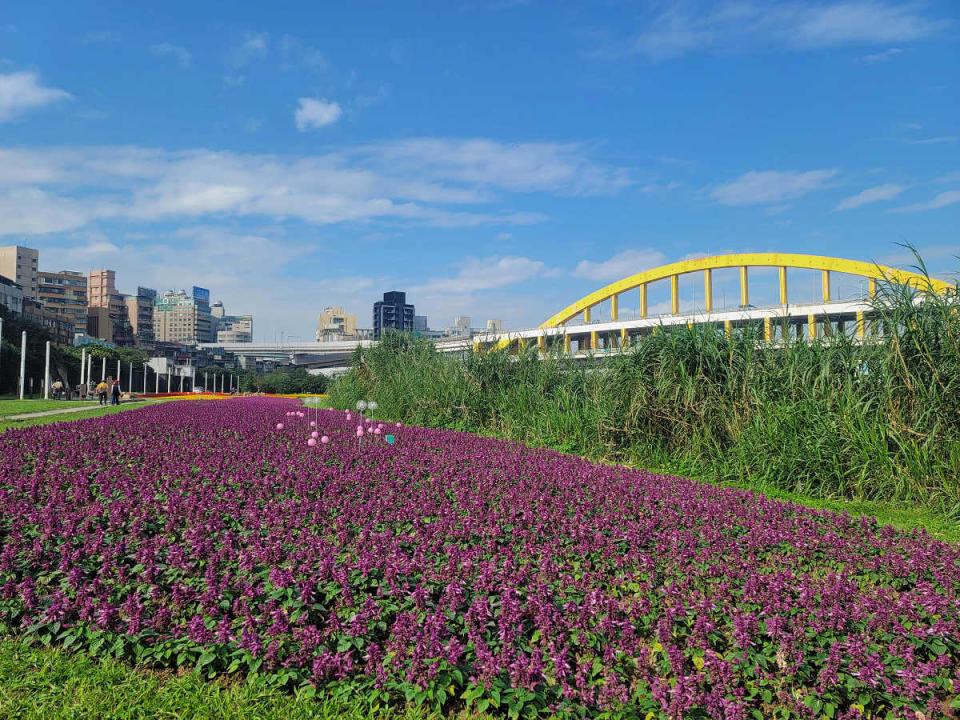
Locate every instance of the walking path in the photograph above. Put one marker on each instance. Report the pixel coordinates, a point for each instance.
(45, 413)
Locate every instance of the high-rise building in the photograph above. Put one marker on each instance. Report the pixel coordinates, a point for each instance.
(494, 326)
(235, 329)
(140, 313)
(420, 323)
(182, 318)
(65, 293)
(333, 322)
(392, 312)
(102, 293)
(99, 324)
(20, 265)
(11, 296)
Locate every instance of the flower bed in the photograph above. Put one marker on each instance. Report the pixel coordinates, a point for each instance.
(451, 569)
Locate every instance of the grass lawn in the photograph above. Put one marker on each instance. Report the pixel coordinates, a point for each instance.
(94, 411)
(16, 407)
(42, 683)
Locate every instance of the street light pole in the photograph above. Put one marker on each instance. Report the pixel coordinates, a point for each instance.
(46, 374)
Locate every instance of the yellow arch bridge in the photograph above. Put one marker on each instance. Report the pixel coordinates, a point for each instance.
(574, 327)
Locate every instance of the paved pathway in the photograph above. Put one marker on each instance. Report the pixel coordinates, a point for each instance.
(45, 413)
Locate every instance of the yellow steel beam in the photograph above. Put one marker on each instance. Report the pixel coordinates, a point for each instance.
(727, 328)
(826, 285)
(861, 326)
(624, 338)
(593, 340)
(614, 307)
(743, 260)
(872, 285)
(674, 294)
(767, 329)
(566, 343)
(586, 315)
(783, 285)
(708, 290)
(812, 326)
(744, 286)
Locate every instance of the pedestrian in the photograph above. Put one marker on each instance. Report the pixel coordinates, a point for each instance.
(115, 393)
(101, 390)
(57, 389)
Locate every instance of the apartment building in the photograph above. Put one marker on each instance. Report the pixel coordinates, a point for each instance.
(20, 265)
(65, 294)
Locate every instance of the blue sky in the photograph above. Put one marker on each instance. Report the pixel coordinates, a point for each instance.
(493, 158)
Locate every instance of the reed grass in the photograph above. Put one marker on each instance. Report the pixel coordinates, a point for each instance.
(825, 418)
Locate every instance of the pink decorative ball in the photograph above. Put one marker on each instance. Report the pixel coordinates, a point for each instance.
(311, 442)
(313, 423)
(398, 424)
(279, 426)
(324, 439)
(314, 434)
(376, 431)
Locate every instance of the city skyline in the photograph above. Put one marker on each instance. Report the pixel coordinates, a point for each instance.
(491, 159)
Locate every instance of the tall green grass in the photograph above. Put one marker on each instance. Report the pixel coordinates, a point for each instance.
(827, 418)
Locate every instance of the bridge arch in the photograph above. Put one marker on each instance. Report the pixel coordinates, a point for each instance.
(743, 261)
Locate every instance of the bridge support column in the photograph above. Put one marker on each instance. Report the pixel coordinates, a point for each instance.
(566, 343)
(744, 286)
(586, 315)
(727, 328)
(643, 300)
(826, 286)
(522, 343)
(861, 325)
(593, 340)
(872, 286)
(624, 338)
(614, 307)
(767, 329)
(476, 347)
(542, 344)
(708, 290)
(783, 285)
(675, 294)
(812, 326)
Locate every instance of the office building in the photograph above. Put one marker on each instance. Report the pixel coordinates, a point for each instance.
(392, 312)
(54, 323)
(461, 326)
(494, 326)
(235, 328)
(140, 314)
(420, 323)
(99, 324)
(102, 293)
(182, 318)
(334, 324)
(20, 265)
(65, 293)
(11, 296)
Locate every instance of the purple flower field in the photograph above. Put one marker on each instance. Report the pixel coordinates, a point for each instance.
(450, 570)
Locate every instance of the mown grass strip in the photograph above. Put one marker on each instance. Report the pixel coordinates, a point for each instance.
(44, 683)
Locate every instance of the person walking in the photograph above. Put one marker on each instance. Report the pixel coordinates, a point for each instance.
(101, 391)
(115, 393)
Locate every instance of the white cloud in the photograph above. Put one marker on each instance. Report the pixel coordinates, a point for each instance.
(180, 54)
(295, 54)
(871, 195)
(738, 25)
(933, 140)
(620, 265)
(521, 167)
(484, 274)
(21, 91)
(313, 113)
(771, 186)
(254, 46)
(880, 57)
(941, 200)
(66, 188)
